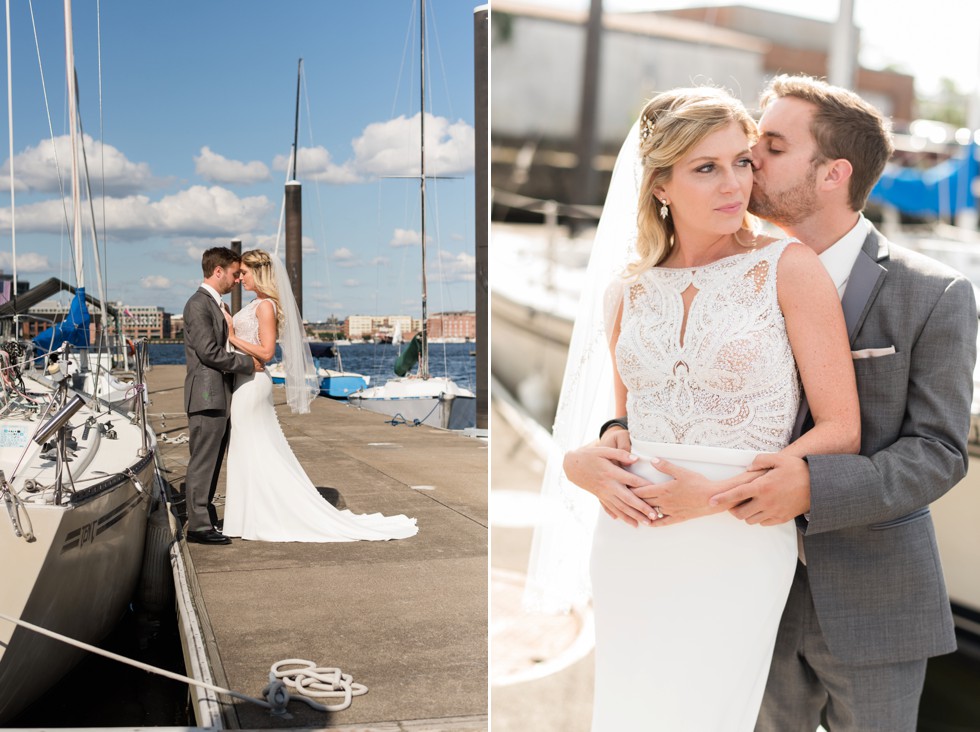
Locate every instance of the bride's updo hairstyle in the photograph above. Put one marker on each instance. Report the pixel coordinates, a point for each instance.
(260, 263)
(670, 125)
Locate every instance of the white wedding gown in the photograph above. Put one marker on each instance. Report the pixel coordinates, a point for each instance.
(269, 496)
(686, 615)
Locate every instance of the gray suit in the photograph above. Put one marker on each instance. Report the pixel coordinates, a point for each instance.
(871, 604)
(207, 400)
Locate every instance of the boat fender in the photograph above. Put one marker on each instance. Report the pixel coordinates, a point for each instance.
(156, 584)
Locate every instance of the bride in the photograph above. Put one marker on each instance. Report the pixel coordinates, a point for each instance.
(269, 496)
(712, 330)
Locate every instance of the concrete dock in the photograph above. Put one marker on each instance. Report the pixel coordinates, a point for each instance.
(406, 618)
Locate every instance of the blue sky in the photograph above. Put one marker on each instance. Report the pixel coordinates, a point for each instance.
(197, 113)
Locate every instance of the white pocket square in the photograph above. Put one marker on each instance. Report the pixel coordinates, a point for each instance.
(873, 352)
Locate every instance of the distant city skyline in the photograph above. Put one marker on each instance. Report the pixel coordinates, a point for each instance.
(188, 134)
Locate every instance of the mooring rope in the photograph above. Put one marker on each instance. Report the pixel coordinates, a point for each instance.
(309, 680)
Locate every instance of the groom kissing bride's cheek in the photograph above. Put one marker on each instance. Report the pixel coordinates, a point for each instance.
(784, 411)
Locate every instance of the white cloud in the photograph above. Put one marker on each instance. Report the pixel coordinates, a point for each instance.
(405, 238)
(268, 243)
(27, 262)
(316, 164)
(392, 147)
(351, 283)
(216, 168)
(198, 211)
(156, 282)
(345, 258)
(36, 168)
(380, 261)
(453, 267)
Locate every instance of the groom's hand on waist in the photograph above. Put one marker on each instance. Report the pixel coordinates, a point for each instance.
(778, 495)
(259, 366)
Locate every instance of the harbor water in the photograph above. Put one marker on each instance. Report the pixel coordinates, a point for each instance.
(371, 359)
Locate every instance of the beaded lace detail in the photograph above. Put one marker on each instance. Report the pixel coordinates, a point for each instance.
(729, 379)
(246, 322)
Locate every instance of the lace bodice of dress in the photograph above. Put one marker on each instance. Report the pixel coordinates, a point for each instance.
(246, 322)
(729, 380)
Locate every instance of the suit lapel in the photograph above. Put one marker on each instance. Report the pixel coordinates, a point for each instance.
(222, 325)
(863, 283)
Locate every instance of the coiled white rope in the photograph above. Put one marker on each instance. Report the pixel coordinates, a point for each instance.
(318, 681)
(309, 680)
(178, 440)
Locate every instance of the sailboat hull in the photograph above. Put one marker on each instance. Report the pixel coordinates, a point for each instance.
(339, 385)
(77, 578)
(437, 402)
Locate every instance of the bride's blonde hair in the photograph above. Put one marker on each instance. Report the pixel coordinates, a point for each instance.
(671, 124)
(260, 263)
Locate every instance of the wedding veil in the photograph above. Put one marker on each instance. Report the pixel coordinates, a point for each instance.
(302, 382)
(558, 577)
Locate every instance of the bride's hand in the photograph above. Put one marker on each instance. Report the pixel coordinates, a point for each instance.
(230, 321)
(598, 469)
(687, 495)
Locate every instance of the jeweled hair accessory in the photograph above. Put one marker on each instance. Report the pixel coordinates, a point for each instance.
(646, 127)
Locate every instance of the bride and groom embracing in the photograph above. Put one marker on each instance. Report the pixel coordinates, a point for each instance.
(785, 411)
(228, 399)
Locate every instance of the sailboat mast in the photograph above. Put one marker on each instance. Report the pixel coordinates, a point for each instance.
(299, 74)
(424, 351)
(73, 128)
(13, 225)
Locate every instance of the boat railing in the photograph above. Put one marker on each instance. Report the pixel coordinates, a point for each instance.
(142, 349)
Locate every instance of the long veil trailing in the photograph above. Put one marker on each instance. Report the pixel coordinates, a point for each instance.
(558, 577)
(302, 382)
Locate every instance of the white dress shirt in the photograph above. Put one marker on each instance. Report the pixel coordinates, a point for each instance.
(839, 258)
(221, 304)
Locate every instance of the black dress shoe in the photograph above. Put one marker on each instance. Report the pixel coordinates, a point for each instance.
(207, 537)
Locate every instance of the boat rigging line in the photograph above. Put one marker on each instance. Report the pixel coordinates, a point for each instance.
(310, 680)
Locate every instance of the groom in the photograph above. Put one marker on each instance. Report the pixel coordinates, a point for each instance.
(207, 390)
(868, 604)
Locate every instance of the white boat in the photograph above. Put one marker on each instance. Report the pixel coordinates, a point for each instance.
(77, 483)
(334, 383)
(435, 401)
(72, 530)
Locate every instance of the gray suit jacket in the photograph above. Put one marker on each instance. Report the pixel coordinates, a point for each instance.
(208, 362)
(871, 553)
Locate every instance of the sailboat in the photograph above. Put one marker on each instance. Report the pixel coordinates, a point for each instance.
(437, 401)
(334, 383)
(77, 483)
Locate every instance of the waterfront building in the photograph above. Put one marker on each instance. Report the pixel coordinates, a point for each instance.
(380, 327)
(143, 321)
(453, 325)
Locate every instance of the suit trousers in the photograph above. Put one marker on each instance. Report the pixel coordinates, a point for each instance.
(209, 432)
(807, 686)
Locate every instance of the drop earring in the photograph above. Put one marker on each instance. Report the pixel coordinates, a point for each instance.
(663, 209)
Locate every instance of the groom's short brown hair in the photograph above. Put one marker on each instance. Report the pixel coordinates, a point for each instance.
(844, 126)
(218, 257)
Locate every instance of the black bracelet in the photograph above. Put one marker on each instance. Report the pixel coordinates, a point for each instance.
(619, 421)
